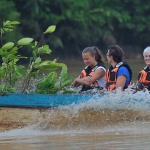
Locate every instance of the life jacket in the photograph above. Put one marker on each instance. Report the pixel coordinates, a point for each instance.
(111, 76)
(144, 79)
(88, 71)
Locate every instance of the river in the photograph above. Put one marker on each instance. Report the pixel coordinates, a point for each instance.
(118, 121)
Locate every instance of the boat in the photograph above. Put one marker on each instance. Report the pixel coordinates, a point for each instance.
(20, 110)
(42, 100)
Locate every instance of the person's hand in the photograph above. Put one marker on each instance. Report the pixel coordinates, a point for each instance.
(88, 79)
(75, 83)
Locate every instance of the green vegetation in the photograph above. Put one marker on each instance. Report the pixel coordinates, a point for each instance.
(81, 23)
(11, 73)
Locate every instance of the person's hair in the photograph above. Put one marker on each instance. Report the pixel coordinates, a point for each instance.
(117, 53)
(94, 51)
(147, 49)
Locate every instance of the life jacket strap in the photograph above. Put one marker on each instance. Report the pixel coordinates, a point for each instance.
(142, 86)
(110, 86)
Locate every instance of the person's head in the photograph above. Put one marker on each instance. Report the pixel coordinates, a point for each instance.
(92, 55)
(116, 53)
(146, 54)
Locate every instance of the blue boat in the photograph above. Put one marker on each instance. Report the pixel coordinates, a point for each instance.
(42, 100)
(19, 110)
(55, 100)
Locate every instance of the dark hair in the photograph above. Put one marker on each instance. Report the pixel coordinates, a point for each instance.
(117, 53)
(94, 51)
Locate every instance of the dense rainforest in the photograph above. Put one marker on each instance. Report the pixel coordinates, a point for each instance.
(80, 23)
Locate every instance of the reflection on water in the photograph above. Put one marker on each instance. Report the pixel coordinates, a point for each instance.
(116, 121)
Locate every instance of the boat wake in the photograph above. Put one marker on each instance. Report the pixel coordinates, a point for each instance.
(98, 111)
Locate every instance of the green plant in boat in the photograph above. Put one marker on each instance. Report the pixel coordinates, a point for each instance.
(11, 72)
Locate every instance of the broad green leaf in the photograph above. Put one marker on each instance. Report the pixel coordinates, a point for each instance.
(63, 71)
(50, 29)
(25, 41)
(67, 82)
(49, 65)
(8, 29)
(15, 60)
(57, 85)
(21, 69)
(14, 22)
(52, 76)
(6, 22)
(44, 49)
(44, 63)
(35, 43)
(2, 53)
(8, 45)
(14, 50)
(38, 60)
(11, 56)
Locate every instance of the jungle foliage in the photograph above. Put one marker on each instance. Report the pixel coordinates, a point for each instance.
(81, 23)
(12, 74)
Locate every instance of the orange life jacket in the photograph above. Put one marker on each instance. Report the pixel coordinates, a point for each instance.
(111, 76)
(88, 71)
(143, 79)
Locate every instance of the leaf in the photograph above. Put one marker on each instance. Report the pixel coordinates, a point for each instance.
(44, 49)
(63, 74)
(8, 45)
(10, 56)
(50, 29)
(8, 29)
(57, 85)
(14, 50)
(6, 23)
(14, 22)
(67, 82)
(21, 69)
(52, 76)
(38, 60)
(48, 65)
(25, 41)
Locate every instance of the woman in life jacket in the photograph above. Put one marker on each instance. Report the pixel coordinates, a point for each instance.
(144, 75)
(93, 75)
(119, 74)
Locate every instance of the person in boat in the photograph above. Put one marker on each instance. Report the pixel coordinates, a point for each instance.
(144, 75)
(93, 75)
(119, 74)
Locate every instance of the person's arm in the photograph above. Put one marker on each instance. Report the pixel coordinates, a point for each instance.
(91, 79)
(88, 80)
(75, 83)
(122, 77)
(99, 73)
(121, 80)
(84, 80)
